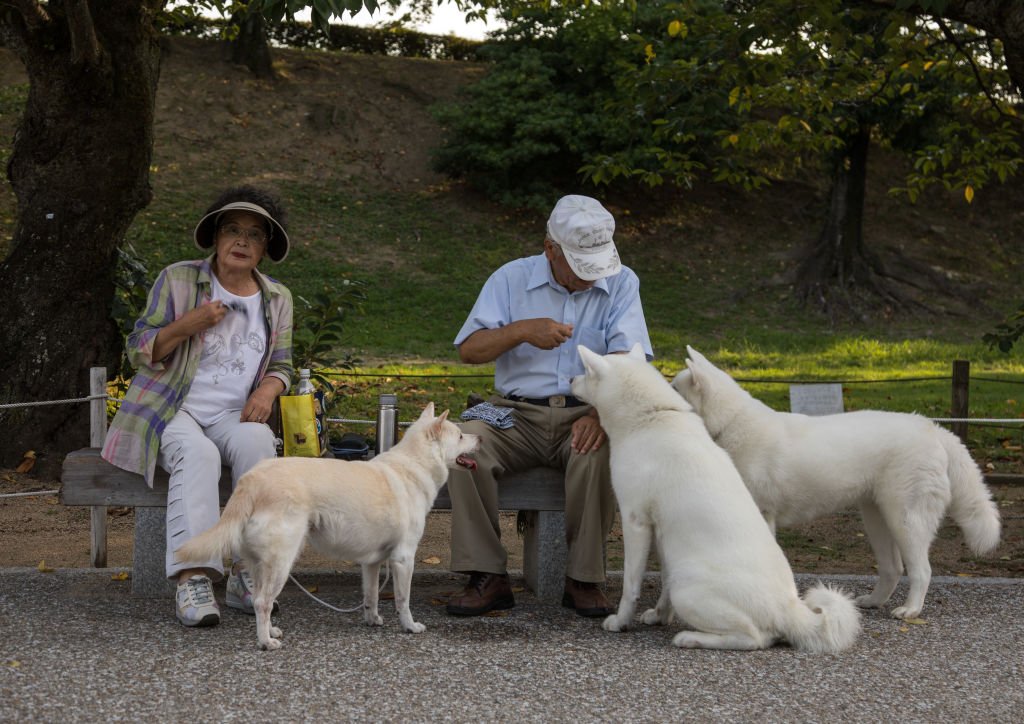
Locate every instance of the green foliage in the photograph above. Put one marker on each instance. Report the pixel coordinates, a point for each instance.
(277, 11)
(757, 91)
(518, 149)
(1007, 332)
(131, 289)
(321, 10)
(391, 40)
(659, 92)
(319, 328)
(524, 130)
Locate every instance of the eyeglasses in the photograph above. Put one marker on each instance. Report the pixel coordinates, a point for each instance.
(253, 236)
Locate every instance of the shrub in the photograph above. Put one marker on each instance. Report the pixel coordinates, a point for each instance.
(522, 133)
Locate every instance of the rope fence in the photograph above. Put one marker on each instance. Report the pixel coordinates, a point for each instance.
(44, 403)
(31, 494)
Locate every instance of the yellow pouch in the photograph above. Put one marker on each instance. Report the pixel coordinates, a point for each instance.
(298, 424)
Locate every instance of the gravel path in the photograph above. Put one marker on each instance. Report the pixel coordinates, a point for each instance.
(76, 646)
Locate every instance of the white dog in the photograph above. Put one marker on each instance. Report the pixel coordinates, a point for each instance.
(363, 511)
(722, 571)
(901, 469)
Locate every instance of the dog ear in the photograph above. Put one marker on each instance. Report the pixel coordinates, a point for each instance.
(592, 361)
(428, 412)
(637, 352)
(695, 355)
(438, 425)
(695, 369)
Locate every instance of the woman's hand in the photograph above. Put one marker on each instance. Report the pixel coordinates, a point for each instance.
(190, 323)
(587, 433)
(203, 317)
(261, 401)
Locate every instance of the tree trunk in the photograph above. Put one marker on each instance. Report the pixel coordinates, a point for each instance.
(80, 171)
(250, 48)
(838, 258)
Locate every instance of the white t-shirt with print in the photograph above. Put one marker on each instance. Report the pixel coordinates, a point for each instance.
(232, 351)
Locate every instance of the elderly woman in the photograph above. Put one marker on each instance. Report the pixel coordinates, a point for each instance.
(212, 353)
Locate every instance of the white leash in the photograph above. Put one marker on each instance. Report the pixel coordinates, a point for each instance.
(387, 575)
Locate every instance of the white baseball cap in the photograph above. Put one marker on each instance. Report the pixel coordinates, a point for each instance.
(583, 229)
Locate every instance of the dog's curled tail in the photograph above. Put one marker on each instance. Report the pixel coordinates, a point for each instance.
(225, 538)
(827, 622)
(972, 506)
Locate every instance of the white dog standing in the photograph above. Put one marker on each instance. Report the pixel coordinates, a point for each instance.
(366, 512)
(902, 470)
(722, 571)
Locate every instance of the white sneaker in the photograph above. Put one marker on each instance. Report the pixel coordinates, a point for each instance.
(239, 593)
(195, 604)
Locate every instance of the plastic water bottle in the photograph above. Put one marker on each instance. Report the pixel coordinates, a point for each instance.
(305, 386)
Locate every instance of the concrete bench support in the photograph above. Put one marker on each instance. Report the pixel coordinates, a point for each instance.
(148, 557)
(545, 553)
(89, 480)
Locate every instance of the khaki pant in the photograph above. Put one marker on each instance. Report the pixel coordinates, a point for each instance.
(541, 437)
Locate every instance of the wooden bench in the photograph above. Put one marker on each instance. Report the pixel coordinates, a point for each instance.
(88, 479)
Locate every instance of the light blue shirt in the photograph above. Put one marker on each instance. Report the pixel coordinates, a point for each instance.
(606, 318)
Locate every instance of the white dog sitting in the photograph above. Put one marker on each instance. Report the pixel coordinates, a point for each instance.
(366, 512)
(722, 571)
(902, 470)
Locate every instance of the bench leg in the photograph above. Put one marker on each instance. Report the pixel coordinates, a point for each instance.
(545, 554)
(148, 557)
(98, 546)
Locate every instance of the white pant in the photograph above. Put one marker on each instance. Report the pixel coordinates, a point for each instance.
(193, 456)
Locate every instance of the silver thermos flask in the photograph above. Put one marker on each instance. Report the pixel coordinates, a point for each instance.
(387, 422)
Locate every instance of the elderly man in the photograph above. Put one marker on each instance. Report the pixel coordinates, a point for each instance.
(529, 319)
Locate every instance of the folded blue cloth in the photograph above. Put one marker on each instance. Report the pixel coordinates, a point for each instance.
(499, 417)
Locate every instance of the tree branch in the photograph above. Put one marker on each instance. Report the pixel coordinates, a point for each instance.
(33, 13)
(1002, 18)
(951, 37)
(85, 47)
(19, 21)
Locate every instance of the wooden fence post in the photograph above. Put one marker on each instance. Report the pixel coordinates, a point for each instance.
(97, 433)
(959, 407)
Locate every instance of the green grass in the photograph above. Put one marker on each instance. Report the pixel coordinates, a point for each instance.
(423, 257)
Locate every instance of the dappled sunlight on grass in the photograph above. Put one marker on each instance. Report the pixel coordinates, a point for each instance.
(863, 358)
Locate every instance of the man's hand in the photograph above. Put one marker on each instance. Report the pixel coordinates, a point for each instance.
(545, 333)
(587, 433)
(486, 345)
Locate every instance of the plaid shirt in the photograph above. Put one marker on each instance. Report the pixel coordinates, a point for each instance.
(159, 387)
